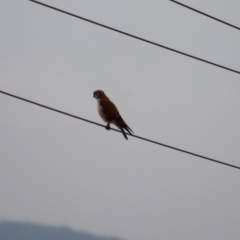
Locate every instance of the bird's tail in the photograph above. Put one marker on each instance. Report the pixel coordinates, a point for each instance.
(128, 129)
(123, 126)
(124, 134)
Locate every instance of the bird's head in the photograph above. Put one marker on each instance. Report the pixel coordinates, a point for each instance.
(98, 94)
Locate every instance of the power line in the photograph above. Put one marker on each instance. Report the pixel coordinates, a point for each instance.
(205, 14)
(133, 36)
(144, 139)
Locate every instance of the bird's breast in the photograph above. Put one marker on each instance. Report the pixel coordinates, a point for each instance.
(101, 113)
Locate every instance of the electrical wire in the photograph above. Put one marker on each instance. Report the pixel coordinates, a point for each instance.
(205, 14)
(135, 136)
(133, 36)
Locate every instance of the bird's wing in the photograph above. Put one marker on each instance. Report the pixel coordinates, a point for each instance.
(110, 109)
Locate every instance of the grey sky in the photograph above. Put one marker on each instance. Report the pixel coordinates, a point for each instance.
(62, 171)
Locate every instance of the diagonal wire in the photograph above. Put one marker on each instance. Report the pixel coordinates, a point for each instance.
(205, 14)
(135, 136)
(133, 36)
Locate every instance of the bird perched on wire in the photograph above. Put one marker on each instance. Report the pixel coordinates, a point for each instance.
(109, 113)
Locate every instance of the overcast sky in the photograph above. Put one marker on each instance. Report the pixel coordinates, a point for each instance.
(61, 171)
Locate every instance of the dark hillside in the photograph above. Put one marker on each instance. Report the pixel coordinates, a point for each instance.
(30, 231)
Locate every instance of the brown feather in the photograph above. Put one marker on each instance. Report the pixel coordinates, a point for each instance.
(109, 113)
(109, 109)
